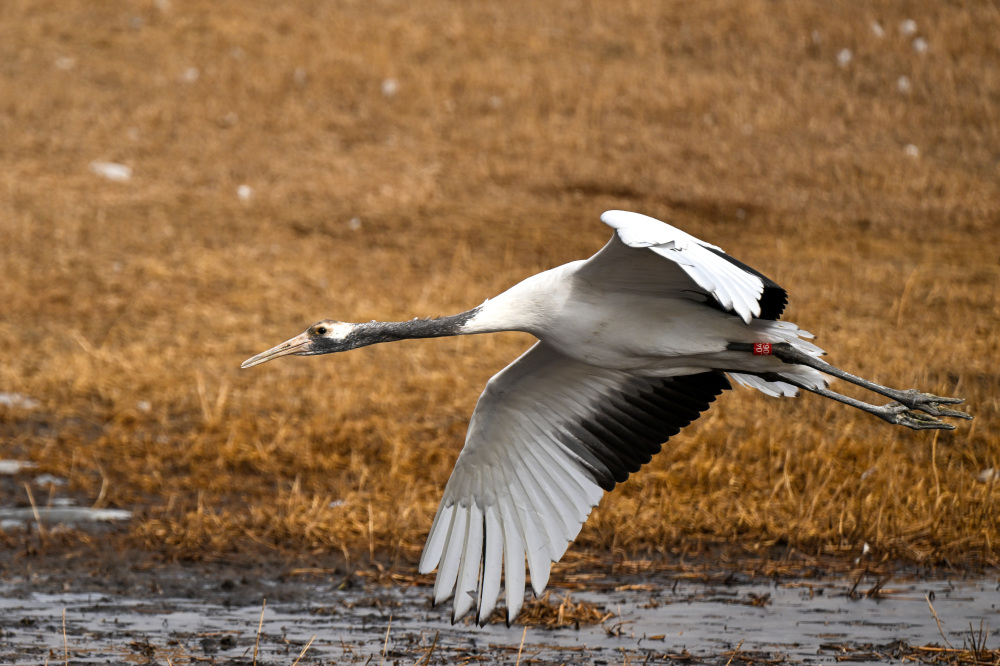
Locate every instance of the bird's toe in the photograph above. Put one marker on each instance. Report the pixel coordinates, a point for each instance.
(931, 404)
(922, 421)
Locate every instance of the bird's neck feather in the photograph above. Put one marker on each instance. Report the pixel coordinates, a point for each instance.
(520, 308)
(391, 331)
(527, 306)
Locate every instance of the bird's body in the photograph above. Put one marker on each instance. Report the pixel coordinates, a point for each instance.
(637, 331)
(634, 343)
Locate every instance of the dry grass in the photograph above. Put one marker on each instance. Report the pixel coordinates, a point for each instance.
(127, 307)
(562, 611)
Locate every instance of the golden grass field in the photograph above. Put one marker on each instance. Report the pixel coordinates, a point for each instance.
(416, 158)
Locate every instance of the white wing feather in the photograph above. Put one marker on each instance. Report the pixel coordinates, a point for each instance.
(515, 472)
(735, 289)
(519, 490)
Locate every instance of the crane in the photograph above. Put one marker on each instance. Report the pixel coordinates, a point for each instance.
(633, 345)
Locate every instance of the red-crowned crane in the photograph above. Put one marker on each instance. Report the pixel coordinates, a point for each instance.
(633, 345)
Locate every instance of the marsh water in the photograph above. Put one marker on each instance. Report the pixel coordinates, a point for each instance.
(99, 606)
(194, 616)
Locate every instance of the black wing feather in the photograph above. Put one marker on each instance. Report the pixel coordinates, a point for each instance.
(631, 430)
(772, 301)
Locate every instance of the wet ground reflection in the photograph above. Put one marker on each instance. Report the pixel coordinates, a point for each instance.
(652, 622)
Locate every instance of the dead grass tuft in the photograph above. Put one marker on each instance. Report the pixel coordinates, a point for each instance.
(560, 612)
(922, 654)
(128, 306)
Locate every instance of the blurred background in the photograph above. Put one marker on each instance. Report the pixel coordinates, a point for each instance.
(184, 184)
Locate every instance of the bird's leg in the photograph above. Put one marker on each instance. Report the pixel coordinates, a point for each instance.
(895, 413)
(898, 412)
(912, 398)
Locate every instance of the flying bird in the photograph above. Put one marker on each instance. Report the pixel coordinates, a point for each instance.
(633, 345)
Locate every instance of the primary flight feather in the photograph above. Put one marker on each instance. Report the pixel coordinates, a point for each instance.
(633, 344)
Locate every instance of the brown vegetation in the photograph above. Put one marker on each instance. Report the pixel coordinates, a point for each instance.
(506, 129)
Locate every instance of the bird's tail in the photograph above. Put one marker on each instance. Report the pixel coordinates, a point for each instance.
(785, 331)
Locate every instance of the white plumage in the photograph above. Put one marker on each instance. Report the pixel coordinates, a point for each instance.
(634, 343)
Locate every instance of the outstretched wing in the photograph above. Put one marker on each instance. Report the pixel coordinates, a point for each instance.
(548, 436)
(695, 268)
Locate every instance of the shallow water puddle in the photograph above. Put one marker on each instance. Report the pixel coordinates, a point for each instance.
(814, 622)
(65, 515)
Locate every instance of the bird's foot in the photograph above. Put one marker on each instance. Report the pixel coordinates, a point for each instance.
(925, 419)
(931, 404)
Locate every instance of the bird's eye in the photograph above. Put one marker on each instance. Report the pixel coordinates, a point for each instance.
(321, 330)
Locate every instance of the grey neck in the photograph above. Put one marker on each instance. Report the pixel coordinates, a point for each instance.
(390, 331)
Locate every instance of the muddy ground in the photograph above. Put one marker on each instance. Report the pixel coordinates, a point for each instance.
(88, 608)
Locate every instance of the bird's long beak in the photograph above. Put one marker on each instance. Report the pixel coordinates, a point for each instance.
(296, 345)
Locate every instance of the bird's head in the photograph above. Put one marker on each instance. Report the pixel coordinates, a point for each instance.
(323, 337)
